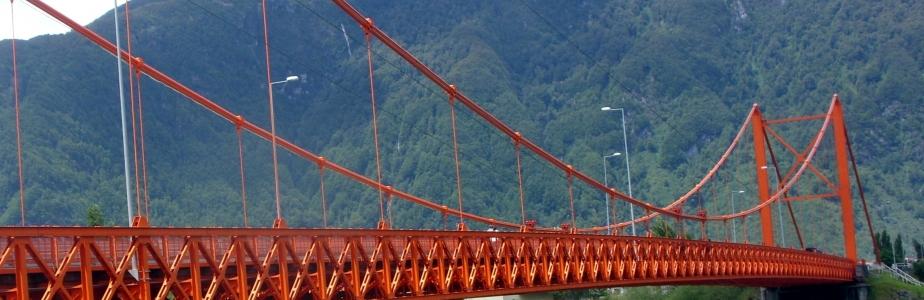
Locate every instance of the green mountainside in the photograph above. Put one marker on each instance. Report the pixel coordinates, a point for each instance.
(686, 73)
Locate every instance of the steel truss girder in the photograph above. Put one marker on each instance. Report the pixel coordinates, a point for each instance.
(220, 263)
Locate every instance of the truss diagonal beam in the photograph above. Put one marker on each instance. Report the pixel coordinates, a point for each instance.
(800, 157)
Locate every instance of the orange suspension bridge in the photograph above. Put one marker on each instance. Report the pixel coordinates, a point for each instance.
(149, 262)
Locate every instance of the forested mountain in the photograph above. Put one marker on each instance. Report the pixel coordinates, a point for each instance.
(686, 73)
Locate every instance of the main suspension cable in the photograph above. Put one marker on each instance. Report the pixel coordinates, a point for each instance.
(260, 132)
(487, 116)
(376, 55)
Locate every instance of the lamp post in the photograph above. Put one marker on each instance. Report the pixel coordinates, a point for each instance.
(734, 231)
(779, 207)
(273, 127)
(290, 78)
(128, 187)
(606, 195)
(625, 143)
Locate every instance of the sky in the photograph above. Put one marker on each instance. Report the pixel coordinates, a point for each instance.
(31, 22)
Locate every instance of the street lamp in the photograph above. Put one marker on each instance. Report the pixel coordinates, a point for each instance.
(128, 187)
(625, 143)
(290, 78)
(606, 194)
(273, 140)
(734, 231)
(779, 207)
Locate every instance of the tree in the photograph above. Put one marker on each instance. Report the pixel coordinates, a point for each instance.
(899, 250)
(95, 216)
(885, 248)
(643, 293)
(712, 292)
(917, 269)
(878, 245)
(918, 249)
(662, 229)
(580, 294)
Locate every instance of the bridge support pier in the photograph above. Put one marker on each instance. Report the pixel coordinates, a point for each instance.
(856, 290)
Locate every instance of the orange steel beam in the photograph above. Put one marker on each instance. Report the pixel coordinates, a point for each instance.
(810, 197)
(763, 180)
(790, 180)
(843, 177)
(795, 119)
(252, 263)
(799, 158)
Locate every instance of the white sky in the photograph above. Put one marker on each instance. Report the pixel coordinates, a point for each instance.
(31, 22)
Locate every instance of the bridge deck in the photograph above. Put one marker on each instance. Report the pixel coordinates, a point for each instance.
(208, 263)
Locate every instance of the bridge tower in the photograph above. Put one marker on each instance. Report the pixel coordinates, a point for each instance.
(843, 190)
(763, 181)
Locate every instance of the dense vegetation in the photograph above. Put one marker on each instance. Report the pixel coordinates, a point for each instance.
(891, 253)
(689, 292)
(686, 72)
(884, 286)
